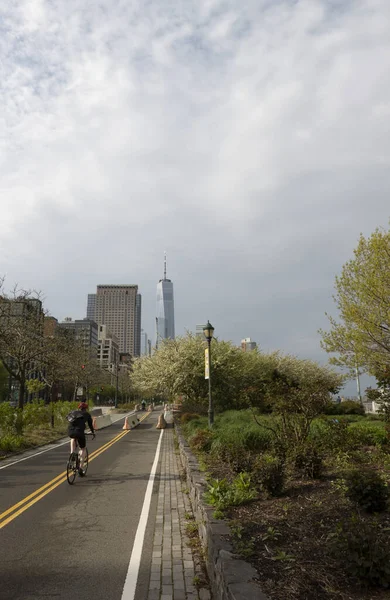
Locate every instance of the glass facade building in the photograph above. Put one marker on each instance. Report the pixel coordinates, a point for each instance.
(165, 313)
(91, 307)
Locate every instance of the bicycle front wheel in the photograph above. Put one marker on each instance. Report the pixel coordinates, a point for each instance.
(83, 471)
(71, 469)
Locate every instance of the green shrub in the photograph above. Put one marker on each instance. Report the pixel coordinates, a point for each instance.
(269, 474)
(367, 489)
(363, 548)
(36, 414)
(307, 461)
(331, 434)
(234, 454)
(340, 434)
(193, 425)
(11, 443)
(186, 417)
(366, 434)
(222, 494)
(349, 407)
(7, 417)
(125, 406)
(201, 440)
(239, 445)
(256, 440)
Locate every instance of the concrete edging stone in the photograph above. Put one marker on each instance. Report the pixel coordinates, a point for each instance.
(230, 578)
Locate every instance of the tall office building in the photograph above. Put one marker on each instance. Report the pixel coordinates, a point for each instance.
(144, 342)
(118, 308)
(137, 325)
(85, 331)
(165, 317)
(91, 307)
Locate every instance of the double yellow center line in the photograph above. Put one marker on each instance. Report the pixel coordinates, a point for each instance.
(17, 509)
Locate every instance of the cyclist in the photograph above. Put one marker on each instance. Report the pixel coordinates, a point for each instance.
(76, 430)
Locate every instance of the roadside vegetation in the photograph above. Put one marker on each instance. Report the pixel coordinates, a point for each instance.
(302, 481)
(312, 518)
(44, 371)
(37, 429)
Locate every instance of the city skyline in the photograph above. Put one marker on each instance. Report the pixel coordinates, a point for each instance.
(238, 137)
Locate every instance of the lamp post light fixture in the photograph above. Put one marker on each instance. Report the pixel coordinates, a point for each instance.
(208, 331)
(116, 383)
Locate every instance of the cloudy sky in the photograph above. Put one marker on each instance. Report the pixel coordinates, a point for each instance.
(250, 140)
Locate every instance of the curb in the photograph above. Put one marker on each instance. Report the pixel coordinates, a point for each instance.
(231, 578)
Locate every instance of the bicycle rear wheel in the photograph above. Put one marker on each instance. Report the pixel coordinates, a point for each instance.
(71, 468)
(83, 471)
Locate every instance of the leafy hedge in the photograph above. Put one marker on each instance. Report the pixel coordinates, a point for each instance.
(34, 415)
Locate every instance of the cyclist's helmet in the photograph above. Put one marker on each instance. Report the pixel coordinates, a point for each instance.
(83, 406)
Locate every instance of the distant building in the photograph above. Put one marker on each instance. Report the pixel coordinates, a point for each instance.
(50, 326)
(91, 307)
(137, 325)
(108, 349)
(146, 344)
(85, 331)
(247, 345)
(165, 313)
(199, 331)
(119, 308)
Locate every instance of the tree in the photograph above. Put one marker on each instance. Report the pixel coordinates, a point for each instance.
(21, 335)
(177, 369)
(361, 337)
(57, 356)
(298, 392)
(3, 382)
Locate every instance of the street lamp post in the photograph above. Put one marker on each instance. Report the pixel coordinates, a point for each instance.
(116, 384)
(208, 331)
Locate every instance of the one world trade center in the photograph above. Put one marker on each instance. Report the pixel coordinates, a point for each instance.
(165, 319)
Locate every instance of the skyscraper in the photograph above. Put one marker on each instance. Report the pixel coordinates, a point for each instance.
(165, 314)
(91, 307)
(137, 325)
(117, 307)
(85, 331)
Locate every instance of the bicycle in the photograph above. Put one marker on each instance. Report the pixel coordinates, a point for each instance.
(73, 464)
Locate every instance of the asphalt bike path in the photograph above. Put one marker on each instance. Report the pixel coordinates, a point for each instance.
(24, 474)
(60, 541)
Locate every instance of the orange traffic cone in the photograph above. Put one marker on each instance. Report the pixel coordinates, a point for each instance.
(126, 425)
(161, 423)
(94, 424)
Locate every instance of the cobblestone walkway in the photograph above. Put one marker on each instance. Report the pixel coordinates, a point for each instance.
(174, 567)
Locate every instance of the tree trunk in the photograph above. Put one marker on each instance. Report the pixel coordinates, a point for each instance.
(19, 412)
(53, 393)
(22, 391)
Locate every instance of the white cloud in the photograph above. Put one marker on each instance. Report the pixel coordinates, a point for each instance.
(242, 136)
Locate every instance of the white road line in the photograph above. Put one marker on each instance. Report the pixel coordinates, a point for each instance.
(135, 559)
(54, 447)
(32, 455)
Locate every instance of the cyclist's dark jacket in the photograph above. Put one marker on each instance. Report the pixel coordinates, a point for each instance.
(77, 428)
